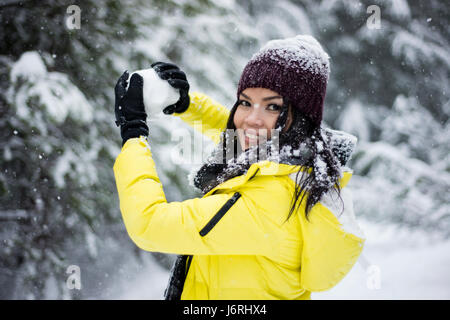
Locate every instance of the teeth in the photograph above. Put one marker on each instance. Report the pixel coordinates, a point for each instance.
(251, 136)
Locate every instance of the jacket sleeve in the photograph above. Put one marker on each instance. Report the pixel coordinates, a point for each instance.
(184, 227)
(205, 115)
(332, 241)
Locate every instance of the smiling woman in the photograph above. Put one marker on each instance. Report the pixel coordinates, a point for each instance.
(265, 228)
(257, 112)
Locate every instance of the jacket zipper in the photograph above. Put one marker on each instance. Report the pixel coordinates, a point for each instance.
(214, 220)
(188, 264)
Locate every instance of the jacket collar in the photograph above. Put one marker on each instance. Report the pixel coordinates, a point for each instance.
(270, 168)
(262, 168)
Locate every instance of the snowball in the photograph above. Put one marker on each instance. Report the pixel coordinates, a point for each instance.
(158, 93)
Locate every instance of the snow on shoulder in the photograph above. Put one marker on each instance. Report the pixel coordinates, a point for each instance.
(342, 145)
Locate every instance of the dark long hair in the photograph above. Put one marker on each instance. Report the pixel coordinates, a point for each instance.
(304, 135)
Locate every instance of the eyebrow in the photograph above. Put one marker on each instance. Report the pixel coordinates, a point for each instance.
(264, 99)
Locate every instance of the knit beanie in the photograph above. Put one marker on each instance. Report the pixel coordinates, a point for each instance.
(296, 68)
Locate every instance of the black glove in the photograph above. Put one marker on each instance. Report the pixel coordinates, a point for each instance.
(129, 107)
(177, 79)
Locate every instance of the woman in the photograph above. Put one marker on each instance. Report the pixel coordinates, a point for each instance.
(267, 227)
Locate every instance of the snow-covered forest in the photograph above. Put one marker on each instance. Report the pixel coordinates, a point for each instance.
(389, 86)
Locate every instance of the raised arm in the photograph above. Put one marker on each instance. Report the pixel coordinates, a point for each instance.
(205, 115)
(196, 109)
(228, 222)
(223, 223)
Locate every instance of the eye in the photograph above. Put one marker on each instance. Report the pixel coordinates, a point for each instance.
(274, 107)
(244, 103)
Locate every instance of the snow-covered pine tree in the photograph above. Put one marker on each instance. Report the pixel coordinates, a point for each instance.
(58, 142)
(389, 86)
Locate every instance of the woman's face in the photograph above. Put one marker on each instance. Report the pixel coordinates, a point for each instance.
(256, 114)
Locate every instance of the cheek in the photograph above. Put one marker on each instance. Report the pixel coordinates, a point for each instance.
(238, 119)
(271, 120)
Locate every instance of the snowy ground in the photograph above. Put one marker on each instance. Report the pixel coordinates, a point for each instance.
(395, 264)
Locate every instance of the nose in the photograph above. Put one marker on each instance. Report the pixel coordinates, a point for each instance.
(254, 118)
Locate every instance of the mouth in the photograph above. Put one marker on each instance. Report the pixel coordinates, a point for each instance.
(251, 136)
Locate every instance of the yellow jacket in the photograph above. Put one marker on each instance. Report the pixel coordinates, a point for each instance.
(241, 245)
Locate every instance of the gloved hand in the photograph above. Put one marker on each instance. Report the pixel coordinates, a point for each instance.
(129, 107)
(177, 79)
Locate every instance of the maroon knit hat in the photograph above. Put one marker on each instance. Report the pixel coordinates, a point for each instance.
(296, 68)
